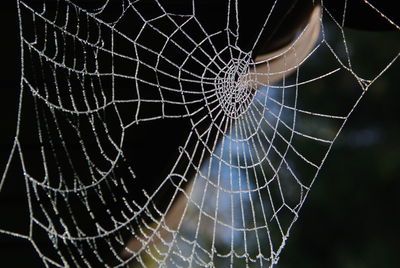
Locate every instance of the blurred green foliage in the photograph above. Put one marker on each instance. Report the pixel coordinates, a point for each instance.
(350, 219)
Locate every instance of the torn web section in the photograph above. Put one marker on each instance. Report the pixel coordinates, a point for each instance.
(76, 175)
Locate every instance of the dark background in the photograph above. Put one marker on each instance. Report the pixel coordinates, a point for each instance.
(351, 217)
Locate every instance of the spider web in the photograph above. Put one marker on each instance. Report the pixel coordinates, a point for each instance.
(95, 80)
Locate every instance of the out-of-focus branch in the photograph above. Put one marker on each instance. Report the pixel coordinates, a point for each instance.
(273, 67)
(164, 228)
